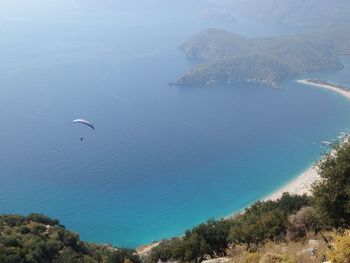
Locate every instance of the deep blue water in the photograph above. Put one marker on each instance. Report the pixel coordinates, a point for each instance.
(161, 159)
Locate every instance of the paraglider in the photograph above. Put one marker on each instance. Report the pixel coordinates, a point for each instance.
(85, 122)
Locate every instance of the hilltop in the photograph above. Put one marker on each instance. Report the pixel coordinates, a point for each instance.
(227, 58)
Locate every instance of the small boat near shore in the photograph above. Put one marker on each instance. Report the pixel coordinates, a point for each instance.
(326, 143)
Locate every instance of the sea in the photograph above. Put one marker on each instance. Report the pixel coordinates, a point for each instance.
(162, 159)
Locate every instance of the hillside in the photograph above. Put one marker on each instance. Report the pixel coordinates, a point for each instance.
(228, 58)
(40, 239)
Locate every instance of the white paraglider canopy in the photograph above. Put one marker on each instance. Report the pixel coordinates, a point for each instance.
(85, 122)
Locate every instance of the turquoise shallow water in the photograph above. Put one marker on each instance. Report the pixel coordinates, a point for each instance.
(161, 159)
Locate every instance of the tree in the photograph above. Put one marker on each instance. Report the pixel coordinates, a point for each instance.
(331, 196)
(214, 233)
(301, 222)
(195, 247)
(265, 220)
(270, 225)
(163, 251)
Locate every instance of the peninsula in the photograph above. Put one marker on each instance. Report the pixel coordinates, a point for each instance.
(228, 59)
(342, 90)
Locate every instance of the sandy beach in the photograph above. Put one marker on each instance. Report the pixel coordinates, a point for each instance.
(340, 91)
(299, 186)
(302, 184)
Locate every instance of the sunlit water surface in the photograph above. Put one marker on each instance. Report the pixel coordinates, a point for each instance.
(161, 159)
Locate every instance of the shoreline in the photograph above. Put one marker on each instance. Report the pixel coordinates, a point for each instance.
(328, 86)
(303, 182)
(299, 185)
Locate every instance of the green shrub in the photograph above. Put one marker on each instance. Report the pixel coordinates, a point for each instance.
(40, 239)
(331, 196)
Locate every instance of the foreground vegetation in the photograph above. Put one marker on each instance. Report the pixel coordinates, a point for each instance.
(291, 229)
(37, 238)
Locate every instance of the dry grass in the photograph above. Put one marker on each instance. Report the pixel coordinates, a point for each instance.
(304, 251)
